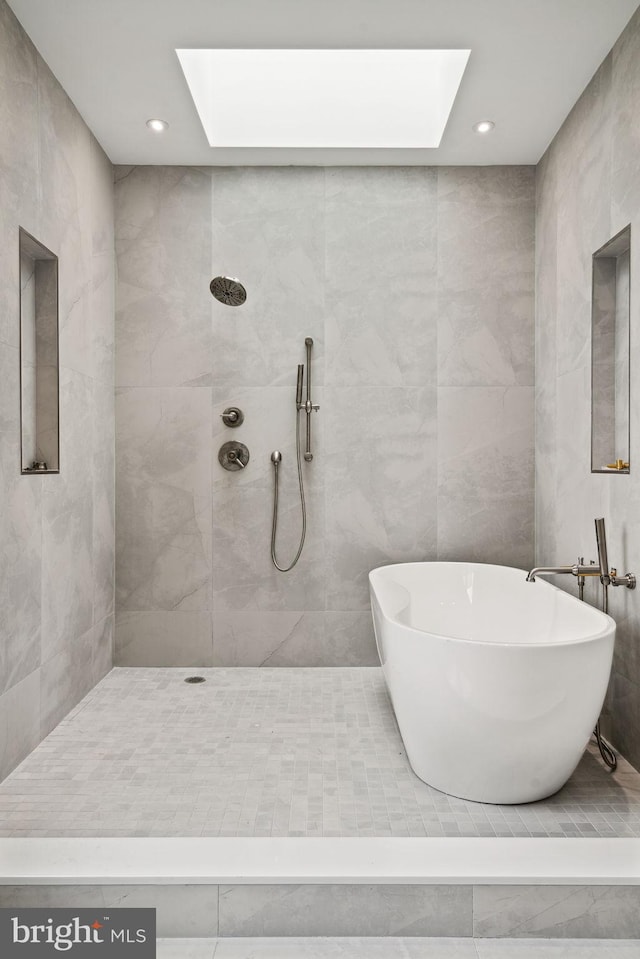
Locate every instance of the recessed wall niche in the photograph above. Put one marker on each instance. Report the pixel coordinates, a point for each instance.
(39, 393)
(610, 355)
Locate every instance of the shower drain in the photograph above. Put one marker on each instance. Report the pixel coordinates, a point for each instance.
(195, 679)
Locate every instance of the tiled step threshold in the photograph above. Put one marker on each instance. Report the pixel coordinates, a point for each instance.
(306, 860)
(259, 887)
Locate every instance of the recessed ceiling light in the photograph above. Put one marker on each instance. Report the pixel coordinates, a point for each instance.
(484, 126)
(158, 126)
(324, 98)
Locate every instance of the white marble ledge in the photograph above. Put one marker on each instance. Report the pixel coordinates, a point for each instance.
(317, 860)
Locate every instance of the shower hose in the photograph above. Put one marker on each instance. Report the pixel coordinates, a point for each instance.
(274, 526)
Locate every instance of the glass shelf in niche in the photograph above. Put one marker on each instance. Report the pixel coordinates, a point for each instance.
(39, 364)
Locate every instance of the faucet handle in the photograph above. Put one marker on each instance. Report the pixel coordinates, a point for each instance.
(235, 456)
(232, 416)
(628, 580)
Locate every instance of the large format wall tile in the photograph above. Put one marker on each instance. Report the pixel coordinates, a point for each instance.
(65, 678)
(101, 199)
(343, 910)
(268, 230)
(381, 486)
(293, 639)
(485, 475)
(546, 413)
(102, 310)
(103, 500)
(270, 424)
(20, 563)
(556, 912)
(485, 276)
(65, 227)
(18, 161)
(67, 528)
(587, 190)
(381, 304)
(164, 498)
(19, 722)
(268, 638)
(164, 638)
(67, 576)
(56, 531)
(623, 703)
(163, 246)
(368, 262)
(182, 911)
(626, 127)
(243, 575)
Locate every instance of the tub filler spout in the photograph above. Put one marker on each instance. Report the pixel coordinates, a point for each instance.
(577, 569)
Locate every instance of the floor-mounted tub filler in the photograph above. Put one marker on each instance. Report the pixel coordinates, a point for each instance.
(496, 682)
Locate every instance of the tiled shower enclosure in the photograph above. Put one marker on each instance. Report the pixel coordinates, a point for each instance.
(417, 287)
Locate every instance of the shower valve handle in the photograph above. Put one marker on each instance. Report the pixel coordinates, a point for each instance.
(232, 416)
(234, 456)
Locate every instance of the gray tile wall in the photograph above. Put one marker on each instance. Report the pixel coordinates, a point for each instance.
(57, 531)
(571, 913)
(417, 287)
(588, 189)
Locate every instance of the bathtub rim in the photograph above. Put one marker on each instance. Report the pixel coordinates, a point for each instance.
(608, 628)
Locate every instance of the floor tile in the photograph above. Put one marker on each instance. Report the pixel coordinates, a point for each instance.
(269, 752)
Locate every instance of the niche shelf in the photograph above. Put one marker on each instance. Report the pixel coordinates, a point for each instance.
(39, 368)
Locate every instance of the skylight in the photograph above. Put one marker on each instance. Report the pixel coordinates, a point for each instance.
(324, 98)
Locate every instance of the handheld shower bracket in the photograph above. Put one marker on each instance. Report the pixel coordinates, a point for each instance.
(308, 408)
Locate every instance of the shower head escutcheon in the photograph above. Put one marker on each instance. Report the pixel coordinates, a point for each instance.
(228, 290)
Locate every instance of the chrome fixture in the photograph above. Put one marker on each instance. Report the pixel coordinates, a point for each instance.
(233, 456)
(601, 568)
(577, 569)
(603, 559)
(607, 578)
(232, 416)
(276, 458)
(308, 406)
(228, 290)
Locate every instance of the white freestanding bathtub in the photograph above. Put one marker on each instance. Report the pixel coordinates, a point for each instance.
(496, 683)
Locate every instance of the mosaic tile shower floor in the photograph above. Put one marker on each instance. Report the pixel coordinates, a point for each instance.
(269, 752)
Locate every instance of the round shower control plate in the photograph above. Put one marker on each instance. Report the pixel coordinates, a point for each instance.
(233, 456)
(232, 416)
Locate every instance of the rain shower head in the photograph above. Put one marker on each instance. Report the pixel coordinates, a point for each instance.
(228, 290)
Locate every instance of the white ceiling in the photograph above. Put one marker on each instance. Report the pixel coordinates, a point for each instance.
(530, 60)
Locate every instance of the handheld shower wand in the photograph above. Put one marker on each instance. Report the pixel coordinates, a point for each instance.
(299, 385)
(276, 458)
